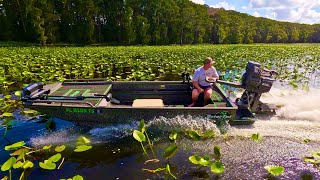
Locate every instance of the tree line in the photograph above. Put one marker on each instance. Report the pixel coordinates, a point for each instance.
(148, 22)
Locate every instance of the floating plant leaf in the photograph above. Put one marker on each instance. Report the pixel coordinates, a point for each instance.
(17, 93)
(31, 112)
(306, 140)
(274, 170)
(47, 165)
(217, 167)
(173, 136)
(205, 161)
(194, 159)
(170, 151)
(256, 137)
(8, 164)
(315, 154)
(60, 148)
(27, 164)
(209, 134)
(17, 152)
(15, 145)
(55, 158)
(77, 177)
(47, 147)
(82, 148)
(194, 135)
(7, 115)
(23, 153)
(217, 151)
(309, 159)
(139, 136)
(17, 165)
(83, 140)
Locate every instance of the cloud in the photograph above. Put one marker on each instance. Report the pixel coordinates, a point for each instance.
(198, 1)
(289, 10)
(224, 5)
(256, 14)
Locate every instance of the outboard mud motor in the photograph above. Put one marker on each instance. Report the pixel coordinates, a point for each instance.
(34, 91)
(255, 81)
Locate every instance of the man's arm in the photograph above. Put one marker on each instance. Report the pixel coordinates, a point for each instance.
(196, 85)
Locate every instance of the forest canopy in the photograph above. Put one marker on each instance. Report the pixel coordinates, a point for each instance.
(147, 22)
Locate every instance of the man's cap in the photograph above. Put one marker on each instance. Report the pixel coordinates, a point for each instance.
(208, 60)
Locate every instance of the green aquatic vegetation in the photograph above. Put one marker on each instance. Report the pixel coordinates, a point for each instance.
(306, 140)
(168, 171)
(82, 143)
(76, 177)
(142, 127)
(274, 170)
(170, 151)
(197, 136)
(22, 157)
(314, 159)
(173, 136)
(217, 152)
(203, 161)
(30, 64)
(141, 136)
(216, 167)
(256, 137)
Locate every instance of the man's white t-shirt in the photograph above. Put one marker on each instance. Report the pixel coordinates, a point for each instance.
(200, 75)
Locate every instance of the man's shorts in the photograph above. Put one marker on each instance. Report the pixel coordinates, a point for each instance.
(204, 87)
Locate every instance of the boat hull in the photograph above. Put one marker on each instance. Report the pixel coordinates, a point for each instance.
(88, 102)
(108, 116)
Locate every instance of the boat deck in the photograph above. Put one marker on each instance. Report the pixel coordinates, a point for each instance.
(83, 94)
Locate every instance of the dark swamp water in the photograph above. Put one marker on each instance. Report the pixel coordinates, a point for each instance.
(117, 155)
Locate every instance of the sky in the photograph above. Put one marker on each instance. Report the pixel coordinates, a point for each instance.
(298, 11)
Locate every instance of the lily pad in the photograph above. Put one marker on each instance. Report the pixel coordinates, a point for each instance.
(7, 115)
(217, 167)
(15, 145)
(27, 164)
(8, 164)
(47, 165)
(83, 140)
(47, 147)
(194, 159)
(256, 137)
(60, 148)
(173, 136)
(139, 136)
(274, 170)
(82, 148)
(55, 158)
(194, 135)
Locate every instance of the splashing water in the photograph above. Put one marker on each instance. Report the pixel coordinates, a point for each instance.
(296, 105)
(55, 138)
(113, 132)
(183, 123)
(297, 117)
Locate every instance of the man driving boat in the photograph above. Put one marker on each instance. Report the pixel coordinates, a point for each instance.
(199, 81)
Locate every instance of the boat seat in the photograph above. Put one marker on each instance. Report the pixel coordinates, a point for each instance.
(147, 103)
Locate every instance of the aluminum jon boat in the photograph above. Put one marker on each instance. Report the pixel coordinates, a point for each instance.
(96, 101)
